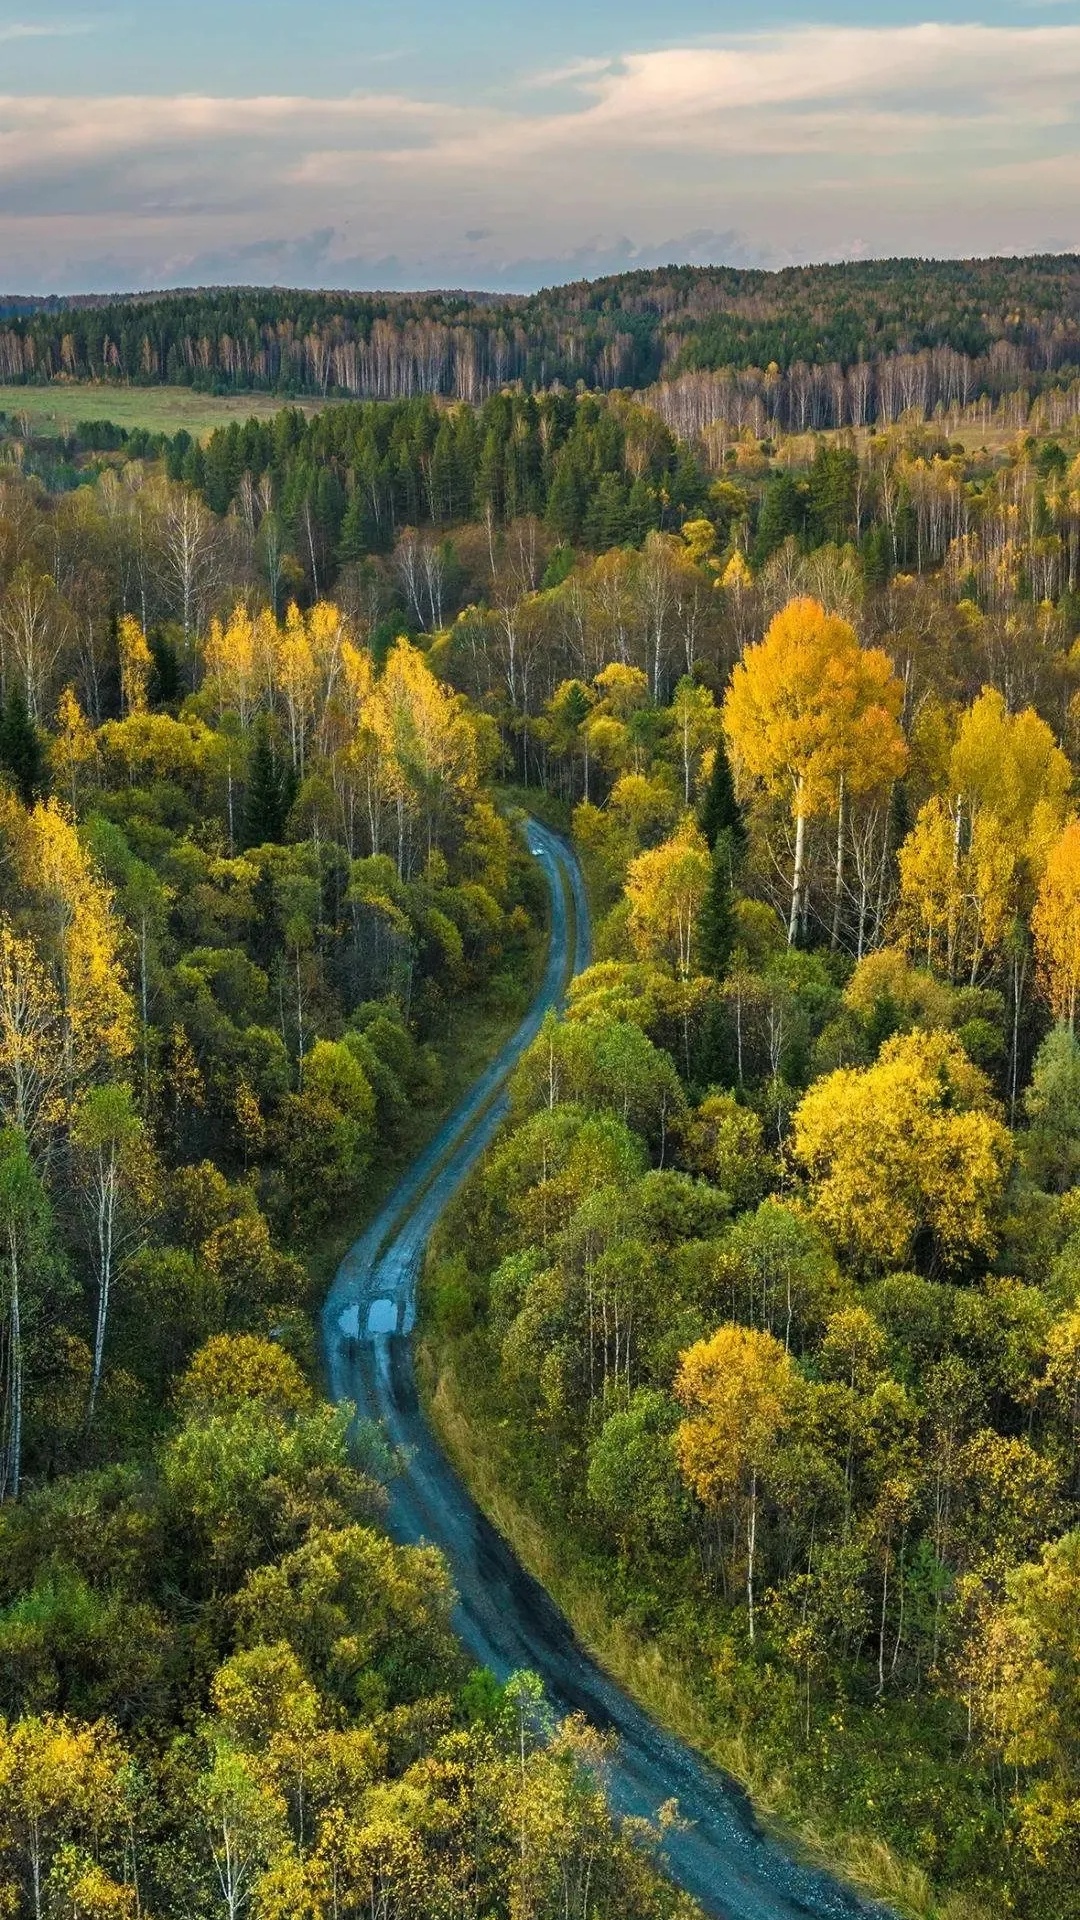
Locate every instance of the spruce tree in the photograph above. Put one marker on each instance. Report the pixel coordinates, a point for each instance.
(716, 921)
(271, 789)
(20, 747)
(720, 811)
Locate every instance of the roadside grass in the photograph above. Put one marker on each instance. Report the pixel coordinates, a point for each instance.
(672, 1690)
(53, 411)
(546, 807)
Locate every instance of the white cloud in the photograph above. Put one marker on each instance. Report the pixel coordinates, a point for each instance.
(42, 30)
(807, 139)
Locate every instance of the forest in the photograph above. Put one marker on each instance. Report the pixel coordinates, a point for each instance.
(973, 327)
(765, 1308)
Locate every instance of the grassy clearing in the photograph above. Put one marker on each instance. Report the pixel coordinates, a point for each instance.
(54, 410)
(670, 1689)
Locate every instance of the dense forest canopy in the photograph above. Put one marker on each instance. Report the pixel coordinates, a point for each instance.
(810, 1129)
(999, 323)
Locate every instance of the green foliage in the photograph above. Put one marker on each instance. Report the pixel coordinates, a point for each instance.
(21, 753)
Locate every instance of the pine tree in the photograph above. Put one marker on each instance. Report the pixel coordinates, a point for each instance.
(271, 789)
(720, 811)
(716, 922)
(20, 747)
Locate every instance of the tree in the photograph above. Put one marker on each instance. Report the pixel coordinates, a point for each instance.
(72, 749)
(271, 788)
(31, 1040)
(906, 1158)
(738, 1389)
(719, 810)
(972, 862)
(245, 1822)
(232, 1368)
(716, 920)
(20, 747)
(33, 624)
(725, 1142)
(82, 941)
(1021, 1671)
(60, 1783)
(136, 664)
(115, 1184)
(632, 1479)
(808, 713)
(695, 725)
(1052, 1105)
(1055, 925)
(25, 1259)
(665, 888)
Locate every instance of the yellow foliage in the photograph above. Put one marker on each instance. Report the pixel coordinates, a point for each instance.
(737, 1387)
(73, 748)
(809, 706)
(31, 1037)
(83, 942)
(665, 888)
(136, 663)
(1055, 924)
(972, 860)
(231, 1368)
(907, 1150)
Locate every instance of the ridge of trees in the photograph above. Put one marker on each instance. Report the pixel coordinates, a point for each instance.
(1009, 321)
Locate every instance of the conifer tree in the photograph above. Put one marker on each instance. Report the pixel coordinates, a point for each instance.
(720, 812)
(716, 923)
(20, 747)
(271, 789)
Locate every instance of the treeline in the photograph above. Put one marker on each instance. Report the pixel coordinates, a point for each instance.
(766, 1303)
(998, 323)
(537, 539)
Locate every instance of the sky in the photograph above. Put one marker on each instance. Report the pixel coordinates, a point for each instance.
(505, 144)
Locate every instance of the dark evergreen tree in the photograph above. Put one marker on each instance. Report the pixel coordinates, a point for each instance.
(833, 491)
(720, 811)
(781, 514)
(716, 923)
(271, 788)
(20, 748)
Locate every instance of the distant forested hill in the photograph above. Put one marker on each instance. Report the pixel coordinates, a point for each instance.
(960, 328)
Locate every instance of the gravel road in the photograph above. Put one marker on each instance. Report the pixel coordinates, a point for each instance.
(507, 1622)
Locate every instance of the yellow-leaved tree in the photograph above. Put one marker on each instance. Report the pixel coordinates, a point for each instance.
(80, 941)
(972, 861)
(812, 717)
(1055, 924)
(738, 1389)
(906, 1159)
(136, 664)
(665, 888)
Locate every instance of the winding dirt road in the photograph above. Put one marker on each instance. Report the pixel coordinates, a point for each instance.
(506, 1621)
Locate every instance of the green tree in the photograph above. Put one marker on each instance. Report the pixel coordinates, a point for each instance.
(271, 788)
(21, 751)
(27, 1263)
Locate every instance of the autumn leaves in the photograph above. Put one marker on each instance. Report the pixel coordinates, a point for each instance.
(814, 717)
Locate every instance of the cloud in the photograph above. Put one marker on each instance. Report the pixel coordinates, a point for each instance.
(945, 137)
(42, 30)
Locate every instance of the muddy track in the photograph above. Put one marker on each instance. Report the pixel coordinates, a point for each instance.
(719, 1853)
